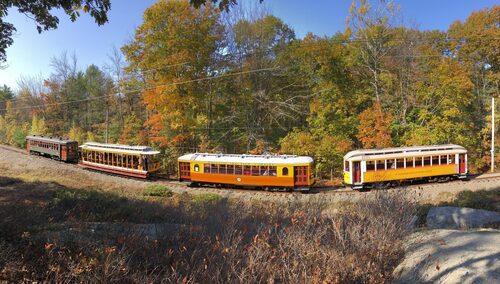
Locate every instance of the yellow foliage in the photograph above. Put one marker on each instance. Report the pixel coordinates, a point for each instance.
(38, 126)
(90, 137)
(76, 133)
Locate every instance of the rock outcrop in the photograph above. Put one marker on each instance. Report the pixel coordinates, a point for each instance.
(451, 256)
(461, 218)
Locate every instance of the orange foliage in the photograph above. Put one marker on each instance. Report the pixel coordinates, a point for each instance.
(261, 147)
(374, 128)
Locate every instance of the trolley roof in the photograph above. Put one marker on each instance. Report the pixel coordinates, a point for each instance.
(50, 139)
(372, 154)
(119, 148)
(246, 159)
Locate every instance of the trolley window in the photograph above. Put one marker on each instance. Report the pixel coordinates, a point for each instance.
(206, 168)
(444, 159)
(418, 161)
(214, 168)
(370, 165)
(435, 160)
(247, 170)
(284, 171)
(222, 169)
(264, 170)
(380, 165)
(427, 161)
(196, 168)
(346, 167)
(272, 170)
(390, 164)
(230, 169)
(400, 163)
(409, 162)
(238, 170)
(451, 159)
(255, 170)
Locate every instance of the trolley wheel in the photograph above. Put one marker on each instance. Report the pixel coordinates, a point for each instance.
(395, 183)
(382, 185)
(444, 179)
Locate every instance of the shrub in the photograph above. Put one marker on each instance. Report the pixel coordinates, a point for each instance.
(206, 198)
(158, 190)
(482, 199)
(212, 240)
(422, 212)
(19, 137)
(92, 205)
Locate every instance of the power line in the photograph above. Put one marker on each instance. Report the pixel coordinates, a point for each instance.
(205, 78)
(157, 68)
(59, 103)
(327, 41)
(137, 69)
(151, 88)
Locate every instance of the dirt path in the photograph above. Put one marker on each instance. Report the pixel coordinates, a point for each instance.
(17, 164)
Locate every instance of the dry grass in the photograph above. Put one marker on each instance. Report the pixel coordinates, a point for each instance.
(220, 240)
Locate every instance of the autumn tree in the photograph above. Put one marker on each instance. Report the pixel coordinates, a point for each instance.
(115, 67)
(6, 94)
(222, 4)
(13, 130)
(98, 88)
(269, 96)
(374, 128)
(74, 99)
(327, 150)
(175, 48)
(133, 131)
(474, 44)
(38, 126)
(371, 30)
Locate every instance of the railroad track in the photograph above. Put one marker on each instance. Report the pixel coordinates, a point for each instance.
(315, 190)
(336, 190)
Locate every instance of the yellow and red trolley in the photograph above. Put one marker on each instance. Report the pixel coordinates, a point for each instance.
(258, 171)
(389, 166)
(135, 161)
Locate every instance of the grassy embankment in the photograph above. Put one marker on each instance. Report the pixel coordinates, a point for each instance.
(211, 239)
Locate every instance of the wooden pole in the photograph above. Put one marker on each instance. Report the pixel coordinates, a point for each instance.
(107, 122)
(492, 134)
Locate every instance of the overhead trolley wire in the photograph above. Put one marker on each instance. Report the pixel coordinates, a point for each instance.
(151, 88)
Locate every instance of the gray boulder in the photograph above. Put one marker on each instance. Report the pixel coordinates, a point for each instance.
(461, 218)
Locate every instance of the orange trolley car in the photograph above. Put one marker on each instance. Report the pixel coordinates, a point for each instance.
(258, 171)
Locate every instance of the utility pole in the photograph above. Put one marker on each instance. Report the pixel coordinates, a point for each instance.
(107, 122)
(492, 134)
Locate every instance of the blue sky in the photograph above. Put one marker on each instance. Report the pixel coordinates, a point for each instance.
(31, 52)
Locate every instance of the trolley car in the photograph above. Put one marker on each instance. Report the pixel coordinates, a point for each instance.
(134, 161)
(52, 147)
(257, 171)
(390, 166)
